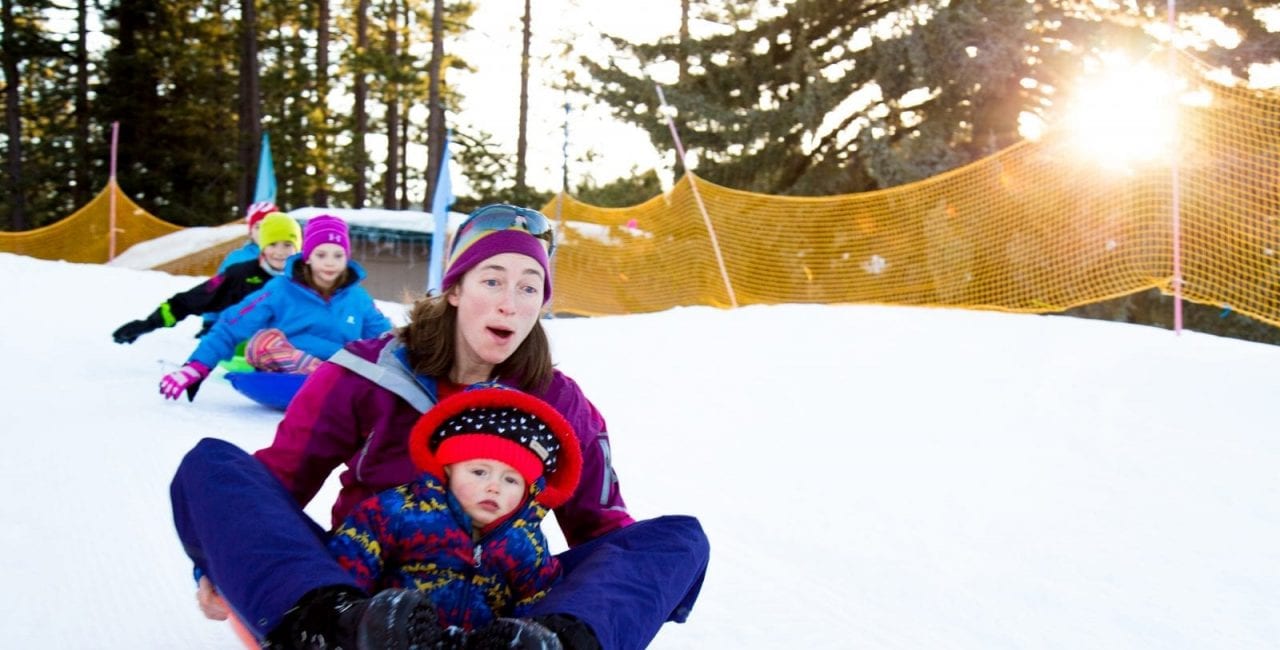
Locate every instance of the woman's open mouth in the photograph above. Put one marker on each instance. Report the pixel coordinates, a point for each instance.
(501, 333)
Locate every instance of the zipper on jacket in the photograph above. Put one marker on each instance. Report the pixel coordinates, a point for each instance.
(364, 451)
(477, 550)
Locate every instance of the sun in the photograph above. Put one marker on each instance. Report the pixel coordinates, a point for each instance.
(1123, 114)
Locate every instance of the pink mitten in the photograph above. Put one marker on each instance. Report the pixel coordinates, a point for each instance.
(186, 378)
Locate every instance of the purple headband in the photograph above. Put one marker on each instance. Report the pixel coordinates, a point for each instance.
(497, 242)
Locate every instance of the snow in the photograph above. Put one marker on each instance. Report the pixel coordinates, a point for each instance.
(154, 252)
(403, 220)
(160, 250)
(869, 477)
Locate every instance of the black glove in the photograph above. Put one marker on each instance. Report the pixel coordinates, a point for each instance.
(130, 331)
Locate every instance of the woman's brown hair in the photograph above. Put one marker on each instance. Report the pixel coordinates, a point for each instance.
(429, 339)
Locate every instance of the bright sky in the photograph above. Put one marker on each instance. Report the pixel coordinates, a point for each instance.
(869, 477)
(492, 92)
(492, 97)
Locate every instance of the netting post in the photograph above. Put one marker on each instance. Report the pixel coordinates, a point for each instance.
(564, 191)
(715, 244)
(111, 220)
(1174, 203)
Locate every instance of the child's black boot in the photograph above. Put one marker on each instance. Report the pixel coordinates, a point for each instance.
(520, 633)
(404, 619)
(325, 618)
(343, 618)
(572, 632)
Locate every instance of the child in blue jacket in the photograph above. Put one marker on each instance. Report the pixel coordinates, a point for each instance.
(281, 238)
(297, 320)
(462, 544)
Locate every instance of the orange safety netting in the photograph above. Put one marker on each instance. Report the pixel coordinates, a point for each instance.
(1039, 227)
(202, 262)
(85, 235)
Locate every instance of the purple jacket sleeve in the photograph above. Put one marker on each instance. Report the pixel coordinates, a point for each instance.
(596, 507)
(315, 436)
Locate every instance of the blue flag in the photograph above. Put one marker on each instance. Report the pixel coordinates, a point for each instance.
(440, 202)
(265, 189)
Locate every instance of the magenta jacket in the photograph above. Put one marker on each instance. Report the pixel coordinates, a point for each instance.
(357, 410)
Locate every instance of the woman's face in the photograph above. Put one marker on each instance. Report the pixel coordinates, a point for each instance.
(498, 302)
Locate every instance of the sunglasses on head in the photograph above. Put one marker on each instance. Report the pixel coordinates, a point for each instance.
(503, 217)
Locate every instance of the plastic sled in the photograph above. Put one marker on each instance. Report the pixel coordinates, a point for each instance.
(243, 633)
(270, 389)
(236, 364)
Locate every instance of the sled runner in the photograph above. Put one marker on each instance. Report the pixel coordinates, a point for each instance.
(243, 633)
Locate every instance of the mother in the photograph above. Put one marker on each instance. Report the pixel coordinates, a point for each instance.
(241, 521)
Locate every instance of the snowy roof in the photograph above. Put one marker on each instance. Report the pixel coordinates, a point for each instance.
(401, 220)
(154, 252)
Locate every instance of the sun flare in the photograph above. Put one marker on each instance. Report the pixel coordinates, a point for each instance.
(1124, 114)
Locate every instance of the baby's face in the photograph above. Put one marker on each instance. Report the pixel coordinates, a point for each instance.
(487, 489)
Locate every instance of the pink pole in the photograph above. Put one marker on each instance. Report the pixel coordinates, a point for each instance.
(693, 186)
(1176, 206)
(111, 186)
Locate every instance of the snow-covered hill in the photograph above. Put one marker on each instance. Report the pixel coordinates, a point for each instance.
(869, 477)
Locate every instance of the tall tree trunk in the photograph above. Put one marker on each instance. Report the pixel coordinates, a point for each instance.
(321, 195)
(250, 113)
(392, 175)
(361, 92)
(404, 160)
(83, 191)
(684, 39)
(522, 139)
(408, 22)
(435, 118)
(12, 121)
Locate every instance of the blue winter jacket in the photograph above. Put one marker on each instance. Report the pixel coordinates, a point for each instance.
(314, 325)
(417, 536)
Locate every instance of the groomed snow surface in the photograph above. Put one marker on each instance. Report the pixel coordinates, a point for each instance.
(869, 477)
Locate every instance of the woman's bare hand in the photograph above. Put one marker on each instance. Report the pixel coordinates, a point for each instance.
(211, 604)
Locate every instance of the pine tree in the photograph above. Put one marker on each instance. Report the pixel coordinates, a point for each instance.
(176, 105)
(250, 103)
(84, 186)
(832, 96)
(522, 128)
(26, 52)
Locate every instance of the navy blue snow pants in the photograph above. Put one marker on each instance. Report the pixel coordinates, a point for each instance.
(244, 530)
